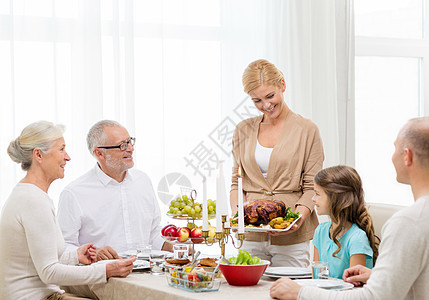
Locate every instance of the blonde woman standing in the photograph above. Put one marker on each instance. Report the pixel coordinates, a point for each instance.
(279, 152)
(32, 259)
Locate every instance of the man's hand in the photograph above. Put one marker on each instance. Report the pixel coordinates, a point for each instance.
(106, 253)
(86, 254)
(358, 275)
(120, 268)
(285, 289)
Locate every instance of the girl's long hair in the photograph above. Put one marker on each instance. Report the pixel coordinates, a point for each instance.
(343, 186)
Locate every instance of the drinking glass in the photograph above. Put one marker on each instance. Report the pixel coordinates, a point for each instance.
(143, 251)
(181, 251)
(320, 269)
(156, 264)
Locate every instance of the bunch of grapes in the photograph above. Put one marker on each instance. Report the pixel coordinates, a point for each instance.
(185, 206)
(211, 204)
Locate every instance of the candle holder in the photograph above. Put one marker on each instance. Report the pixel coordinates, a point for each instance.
(223, 237)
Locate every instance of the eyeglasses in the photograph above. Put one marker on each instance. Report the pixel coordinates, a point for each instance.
(123, 146)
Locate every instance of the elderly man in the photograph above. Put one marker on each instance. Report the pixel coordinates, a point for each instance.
(402, 268)
(112, 205)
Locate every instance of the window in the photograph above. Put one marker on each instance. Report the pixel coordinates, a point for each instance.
(392, 53)
(170, 71)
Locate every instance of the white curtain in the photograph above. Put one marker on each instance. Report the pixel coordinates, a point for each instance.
(317, 51)
(170, 71)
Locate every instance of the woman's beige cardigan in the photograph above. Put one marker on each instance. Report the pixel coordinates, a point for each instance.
(295, 160)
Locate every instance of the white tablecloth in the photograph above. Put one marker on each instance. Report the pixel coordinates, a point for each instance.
(147, 286)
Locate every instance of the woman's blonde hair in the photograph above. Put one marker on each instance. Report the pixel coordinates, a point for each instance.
(261, 72)
(343, 186)
(41, 135)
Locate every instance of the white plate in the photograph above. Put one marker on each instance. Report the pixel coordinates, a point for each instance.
(174, 240)
(329, 284)
(141, 264)
(186, 217)
(290, 276)
(257, 229)
(138, 264)
(130, 253)
(287, 271)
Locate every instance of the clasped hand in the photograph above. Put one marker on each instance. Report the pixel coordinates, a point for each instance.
(106, 253)
(86, 254)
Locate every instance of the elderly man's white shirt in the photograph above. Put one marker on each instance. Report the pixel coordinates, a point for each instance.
(97, 209)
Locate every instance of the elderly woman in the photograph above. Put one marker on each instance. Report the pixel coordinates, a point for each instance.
(32, 259)
(279, 153)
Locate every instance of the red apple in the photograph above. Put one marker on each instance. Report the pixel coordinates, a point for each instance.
(196, 235)
(182, 234)
(188, 229)
(163, 230)
(170, 231)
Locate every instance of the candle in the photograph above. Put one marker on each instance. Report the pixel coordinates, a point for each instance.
(240, 203)
(221, 209)
(218, 220)
(222, 191)
(205, 207)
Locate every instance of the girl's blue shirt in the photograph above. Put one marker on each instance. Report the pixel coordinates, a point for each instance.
(354, 241)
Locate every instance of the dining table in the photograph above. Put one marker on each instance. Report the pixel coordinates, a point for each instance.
(144, 285)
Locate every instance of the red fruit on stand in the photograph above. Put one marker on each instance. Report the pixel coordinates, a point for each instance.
(197, 235)
(169, 230)
(165, 228)
(182, 234)
(188, 229)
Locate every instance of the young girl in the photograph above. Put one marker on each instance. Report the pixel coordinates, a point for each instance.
(348, 239)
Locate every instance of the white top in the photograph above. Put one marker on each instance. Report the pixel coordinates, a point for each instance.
(97, 209)
(402, 268)
(32, 257)
(262, 157)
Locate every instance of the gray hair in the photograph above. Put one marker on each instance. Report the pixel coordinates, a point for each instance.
(41, 135)
(96, 136)
(415, 135)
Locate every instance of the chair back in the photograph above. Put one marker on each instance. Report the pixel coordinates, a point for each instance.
(380, 213)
